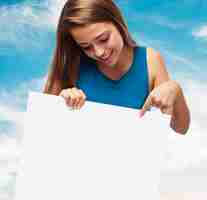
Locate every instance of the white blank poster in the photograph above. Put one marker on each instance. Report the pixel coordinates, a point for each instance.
(100, 152)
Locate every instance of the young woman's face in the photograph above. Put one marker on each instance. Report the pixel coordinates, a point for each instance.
(100, 41)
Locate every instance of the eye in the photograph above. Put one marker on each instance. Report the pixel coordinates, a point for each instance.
(104, 39)
(86, 48)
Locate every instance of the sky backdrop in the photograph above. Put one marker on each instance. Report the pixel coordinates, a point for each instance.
(177, 29)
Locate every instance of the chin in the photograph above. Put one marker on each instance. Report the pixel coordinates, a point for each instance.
(112, 65)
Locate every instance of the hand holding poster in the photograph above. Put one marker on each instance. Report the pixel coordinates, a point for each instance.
(98, 152)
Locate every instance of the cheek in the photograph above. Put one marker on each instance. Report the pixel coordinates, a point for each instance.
(120, 42)
(89, 54)
(116, 42)
(118, 47)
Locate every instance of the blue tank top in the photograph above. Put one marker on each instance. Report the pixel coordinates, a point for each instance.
(129, 91)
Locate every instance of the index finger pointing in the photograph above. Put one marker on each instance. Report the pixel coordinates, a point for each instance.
(146, 106)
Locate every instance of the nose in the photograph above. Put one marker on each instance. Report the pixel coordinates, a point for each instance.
(99, 51)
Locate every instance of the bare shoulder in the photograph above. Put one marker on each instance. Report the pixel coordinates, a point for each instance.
(156, 68)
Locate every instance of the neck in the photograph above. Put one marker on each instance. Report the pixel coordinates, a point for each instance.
(121, 67)
(125, 59)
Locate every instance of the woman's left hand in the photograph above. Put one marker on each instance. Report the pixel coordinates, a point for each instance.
(163, 97)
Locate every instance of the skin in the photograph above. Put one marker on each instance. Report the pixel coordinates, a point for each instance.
(100, 48)
(165, 94)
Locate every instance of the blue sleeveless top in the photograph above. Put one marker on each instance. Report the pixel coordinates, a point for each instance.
(131, 90)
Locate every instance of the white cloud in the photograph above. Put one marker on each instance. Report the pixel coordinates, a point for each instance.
(201, 32)
(16, 98)
(161, 20)
(11, 112)
(13, 104)
(10, 144)
(55, 7)
(191, 150)
(24, 25)
(184, 152)
(179, 156)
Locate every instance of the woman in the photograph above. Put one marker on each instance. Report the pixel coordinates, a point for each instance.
(96, 58)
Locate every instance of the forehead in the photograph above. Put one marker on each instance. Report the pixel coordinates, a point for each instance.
(89, 32)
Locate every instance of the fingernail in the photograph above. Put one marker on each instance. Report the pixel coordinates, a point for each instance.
(140, 114)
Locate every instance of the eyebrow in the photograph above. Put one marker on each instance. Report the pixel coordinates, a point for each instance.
(95, 38)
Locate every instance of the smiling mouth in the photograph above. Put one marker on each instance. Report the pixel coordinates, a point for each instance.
(104, 60)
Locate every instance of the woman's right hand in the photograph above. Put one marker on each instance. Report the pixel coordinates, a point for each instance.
(74, 97)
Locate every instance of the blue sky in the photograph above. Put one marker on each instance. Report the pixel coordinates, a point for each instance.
(170, 27)
(27, 36)
(178, 29)
(174, 28)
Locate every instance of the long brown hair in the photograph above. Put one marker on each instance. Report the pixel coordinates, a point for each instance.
(65, 64)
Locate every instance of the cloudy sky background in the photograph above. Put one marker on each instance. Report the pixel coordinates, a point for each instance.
(178, 29)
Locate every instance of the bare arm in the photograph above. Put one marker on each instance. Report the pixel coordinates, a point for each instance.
(180, 118)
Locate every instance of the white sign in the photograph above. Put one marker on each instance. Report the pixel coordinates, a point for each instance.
(100, 152)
